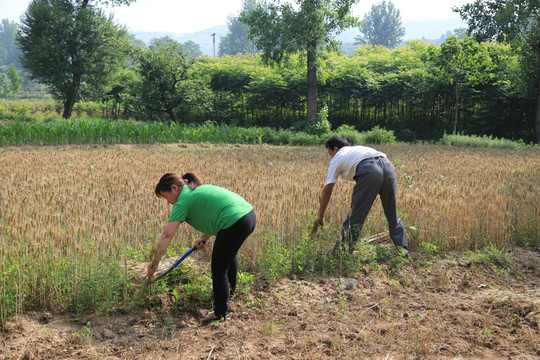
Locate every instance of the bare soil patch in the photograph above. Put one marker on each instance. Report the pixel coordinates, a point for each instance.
(435, 308)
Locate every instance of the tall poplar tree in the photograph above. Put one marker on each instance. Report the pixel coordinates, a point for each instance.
(382, 26)
(9, 54)
(236, 41)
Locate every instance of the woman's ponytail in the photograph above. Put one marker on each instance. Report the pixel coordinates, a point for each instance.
(192, 180)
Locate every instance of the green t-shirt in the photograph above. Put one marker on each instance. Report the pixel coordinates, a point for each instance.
(209, 208)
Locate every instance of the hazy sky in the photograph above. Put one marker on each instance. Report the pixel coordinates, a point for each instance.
(187, 16)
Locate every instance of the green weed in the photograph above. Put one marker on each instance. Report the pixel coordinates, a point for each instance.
(490, 255)
(429, 249)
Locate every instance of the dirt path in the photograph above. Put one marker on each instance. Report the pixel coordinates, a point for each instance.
(436, 308)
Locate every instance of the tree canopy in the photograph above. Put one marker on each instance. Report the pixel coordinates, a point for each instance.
(192, 49)
(516, 21)
(237, 39)
(85, 3)
(165, 83)
(9, 53)
(71, 48)
(382, 26)
(284, 29)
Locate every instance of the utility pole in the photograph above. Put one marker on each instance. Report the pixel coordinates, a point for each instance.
(214, 36)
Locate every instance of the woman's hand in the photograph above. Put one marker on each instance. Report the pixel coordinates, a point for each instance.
(161, 246)
(201, 241)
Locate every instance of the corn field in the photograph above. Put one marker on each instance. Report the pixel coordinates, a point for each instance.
(70, 217)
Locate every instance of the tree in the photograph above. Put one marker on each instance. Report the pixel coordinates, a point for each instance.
(284, 29)
(14, 80)
(9, 53)
(463, 64)
(516, 21)
(460, 33)
(4, 85)
(237, 39)
(85, 3)
(164, 68)
(71, 47)
(381, 26)
(192, 49)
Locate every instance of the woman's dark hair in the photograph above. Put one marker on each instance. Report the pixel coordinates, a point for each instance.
(168, 180)
(192, 180)
(336, 141)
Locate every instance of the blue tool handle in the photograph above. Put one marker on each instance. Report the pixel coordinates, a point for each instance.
(176, 263)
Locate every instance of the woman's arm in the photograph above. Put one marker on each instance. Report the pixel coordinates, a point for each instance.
(161, 246)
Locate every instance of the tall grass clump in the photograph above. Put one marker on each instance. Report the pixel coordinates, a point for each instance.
(48, 129)
(74, 277)
(59, 131)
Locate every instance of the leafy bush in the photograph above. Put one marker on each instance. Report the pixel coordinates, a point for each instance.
(373, 136)
(349, 132)
(89, 108)
(379, 136)
(322, 126)
(345, 129)
(483, 141)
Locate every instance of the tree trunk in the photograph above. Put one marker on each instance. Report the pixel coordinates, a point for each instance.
(456, 111)
(311, 83)
(68, 107)
(537, 122)
(170, 112)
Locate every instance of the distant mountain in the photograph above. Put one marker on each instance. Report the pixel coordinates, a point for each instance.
(204, 37)
(430, 30)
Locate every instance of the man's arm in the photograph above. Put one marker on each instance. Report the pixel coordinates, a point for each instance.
(325, 199)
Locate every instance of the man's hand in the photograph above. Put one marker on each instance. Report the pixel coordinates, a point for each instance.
(319, 223)
(151, 270)
(325, 198)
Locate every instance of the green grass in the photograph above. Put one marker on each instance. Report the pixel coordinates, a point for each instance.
(27, 128)
(490, 255)
(36, 122)
(54, 130)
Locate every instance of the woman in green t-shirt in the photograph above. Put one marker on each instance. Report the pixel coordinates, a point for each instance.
(212, 210)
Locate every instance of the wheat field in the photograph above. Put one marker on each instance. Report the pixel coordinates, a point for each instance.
(65, 212)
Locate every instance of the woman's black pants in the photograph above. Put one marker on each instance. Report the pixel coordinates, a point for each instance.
(225, 262)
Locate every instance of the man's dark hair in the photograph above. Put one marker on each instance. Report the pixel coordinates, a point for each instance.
(336, 141)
